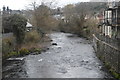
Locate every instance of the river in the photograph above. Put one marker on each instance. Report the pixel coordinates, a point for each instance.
(72, 57)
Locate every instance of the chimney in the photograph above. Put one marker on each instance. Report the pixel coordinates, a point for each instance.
(4, 8)
(7, 8)
(110, 3)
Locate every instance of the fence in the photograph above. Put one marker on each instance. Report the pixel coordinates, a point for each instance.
(108, 51)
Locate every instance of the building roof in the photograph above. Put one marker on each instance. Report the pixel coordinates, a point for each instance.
(29, 25)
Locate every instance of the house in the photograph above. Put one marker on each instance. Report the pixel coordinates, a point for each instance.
(111, 22)
(29, 27)
(7, 11)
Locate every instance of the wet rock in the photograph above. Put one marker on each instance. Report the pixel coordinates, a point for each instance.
(35, 53)
(54, 44)
(47, 48)
(16, 59)
(86, 61)
(82, 61)
(43, 50)
(79, 42)
(20, 70)
(40, 60)
(51, 40)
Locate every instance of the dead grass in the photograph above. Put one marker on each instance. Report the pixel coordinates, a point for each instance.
(32, 43)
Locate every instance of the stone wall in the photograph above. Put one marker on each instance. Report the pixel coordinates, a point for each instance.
(109, 54)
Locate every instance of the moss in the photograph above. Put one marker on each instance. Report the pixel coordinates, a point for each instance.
(101, 58)
(112, 71)
(117, 75)
(10, 54)
(108, 65)
(38, 50)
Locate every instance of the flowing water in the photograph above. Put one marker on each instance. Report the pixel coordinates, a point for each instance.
(71, 57)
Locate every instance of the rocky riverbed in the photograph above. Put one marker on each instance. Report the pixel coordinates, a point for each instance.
(68, 56)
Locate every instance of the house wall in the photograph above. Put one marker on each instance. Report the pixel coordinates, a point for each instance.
(111, 20)
(107, 28)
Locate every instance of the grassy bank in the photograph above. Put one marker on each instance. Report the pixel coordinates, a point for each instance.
(33, 43)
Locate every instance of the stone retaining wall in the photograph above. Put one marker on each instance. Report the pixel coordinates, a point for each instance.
(109, 54)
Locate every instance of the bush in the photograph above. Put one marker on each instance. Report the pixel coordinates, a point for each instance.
(13, 53)
(35, 50)
(32, 36)
(23, 51)
(18, 24)
(10, 54)
(7, 45)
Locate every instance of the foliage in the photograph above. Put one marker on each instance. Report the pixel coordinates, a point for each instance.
(13, 53)
(112, 71)
(117, 75)
(6, 24)
(32, 37)
(23, 51)
(41, 18)
(7, 45)
(35, 50)
(10, 54)
(18, 24)
(79, 18)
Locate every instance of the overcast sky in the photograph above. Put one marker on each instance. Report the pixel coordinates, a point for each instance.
(21, 4)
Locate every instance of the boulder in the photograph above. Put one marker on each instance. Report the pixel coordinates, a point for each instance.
(54, 44)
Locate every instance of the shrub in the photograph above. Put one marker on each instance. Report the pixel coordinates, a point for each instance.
(10, 54)
(18, 24)
(13, 53)
(35, 50)
(32, 36)
(24, 51)
(7, 45)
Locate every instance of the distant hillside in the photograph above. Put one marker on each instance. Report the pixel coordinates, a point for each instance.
(98, 0)
(104, 0)
(93, 7)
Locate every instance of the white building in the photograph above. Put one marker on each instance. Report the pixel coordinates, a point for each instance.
(29, 26)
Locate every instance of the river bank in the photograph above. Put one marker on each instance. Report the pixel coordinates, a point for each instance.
(11, 66)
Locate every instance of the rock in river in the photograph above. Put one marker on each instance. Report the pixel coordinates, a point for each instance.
(54, 44)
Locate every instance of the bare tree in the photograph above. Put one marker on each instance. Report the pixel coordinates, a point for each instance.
(42, 17)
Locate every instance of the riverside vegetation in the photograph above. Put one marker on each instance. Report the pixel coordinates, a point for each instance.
(21, 43)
